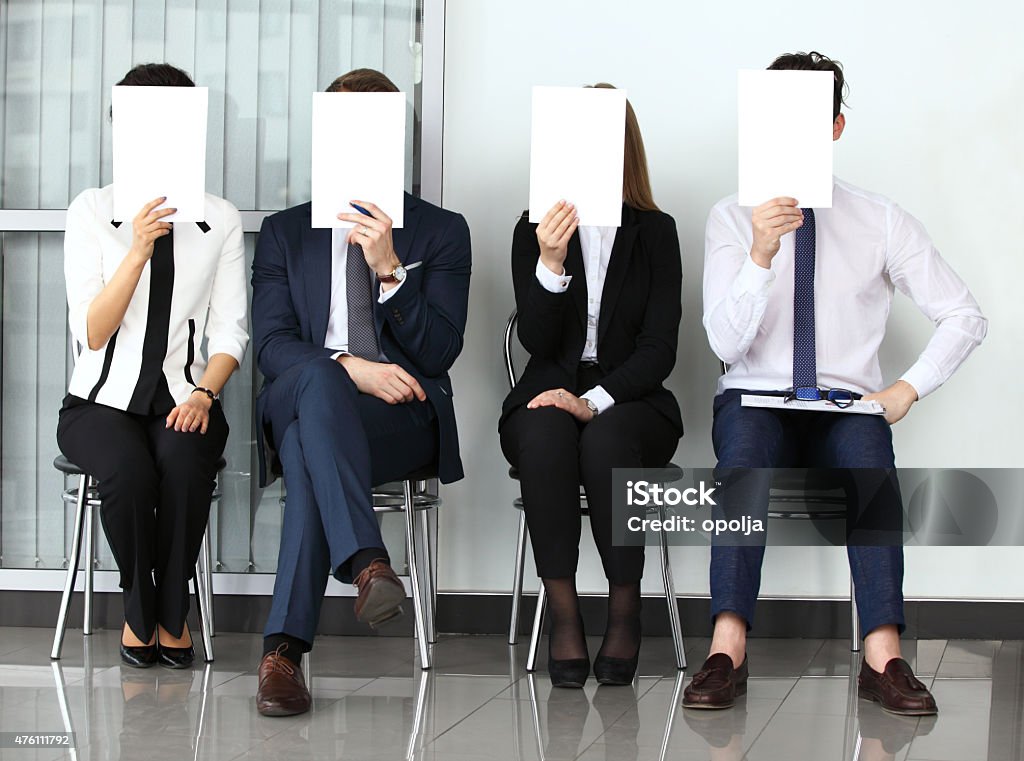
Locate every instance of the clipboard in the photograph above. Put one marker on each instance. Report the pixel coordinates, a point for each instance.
(859, 407)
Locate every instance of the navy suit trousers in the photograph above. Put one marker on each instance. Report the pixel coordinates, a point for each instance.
(334, 444)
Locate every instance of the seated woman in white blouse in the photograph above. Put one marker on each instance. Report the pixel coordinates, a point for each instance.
(142, 415)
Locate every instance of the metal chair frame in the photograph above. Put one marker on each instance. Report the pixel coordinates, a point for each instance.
(517, 584)
(86, 499)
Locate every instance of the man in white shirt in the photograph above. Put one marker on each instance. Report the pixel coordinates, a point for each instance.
(795, 303)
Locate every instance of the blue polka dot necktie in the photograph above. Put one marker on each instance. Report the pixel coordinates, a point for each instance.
(805, 372)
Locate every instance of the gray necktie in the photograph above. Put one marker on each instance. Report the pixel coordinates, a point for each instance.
(362, 332)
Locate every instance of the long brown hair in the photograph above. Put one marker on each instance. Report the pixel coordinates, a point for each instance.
(636, 180)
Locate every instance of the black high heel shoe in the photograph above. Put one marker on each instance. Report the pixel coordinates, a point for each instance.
(616, 671)
(138, 657)
(571, 672)
(176, 657)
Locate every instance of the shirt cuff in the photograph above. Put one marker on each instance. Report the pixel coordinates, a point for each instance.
(385, 295)
(552, 282)
(339, 354)
(754, 278)
(923, 378)
(601, 398)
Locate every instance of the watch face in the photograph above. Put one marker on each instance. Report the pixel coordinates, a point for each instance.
(399, 273)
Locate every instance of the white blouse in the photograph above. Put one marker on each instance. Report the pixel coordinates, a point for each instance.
(207, 299)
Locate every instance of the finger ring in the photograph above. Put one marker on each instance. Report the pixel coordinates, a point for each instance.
(561, 394)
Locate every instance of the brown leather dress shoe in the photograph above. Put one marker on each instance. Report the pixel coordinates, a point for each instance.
(717, 684)
(896, 689)
(282, 690)
(381, 594)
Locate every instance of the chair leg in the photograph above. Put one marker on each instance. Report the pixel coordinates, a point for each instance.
(426, 568)
(538, 625)
(206, 558)
(204, 621)
(414, 575)
(855, 620)
(69, 580)
(90, 563)
(517, 580)
(670, 600)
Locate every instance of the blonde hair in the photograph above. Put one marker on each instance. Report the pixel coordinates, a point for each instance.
(636, 179)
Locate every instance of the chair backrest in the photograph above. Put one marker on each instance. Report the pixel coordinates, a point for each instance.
(510, 331)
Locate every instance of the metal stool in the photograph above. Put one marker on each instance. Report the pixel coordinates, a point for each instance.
(421, 546)
(813, 487)
(87, 501)
(517, 583)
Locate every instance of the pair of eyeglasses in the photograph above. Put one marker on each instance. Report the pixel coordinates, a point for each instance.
(840, 397)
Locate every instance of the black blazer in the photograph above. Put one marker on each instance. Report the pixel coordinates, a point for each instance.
(420, 328)
(640, 313)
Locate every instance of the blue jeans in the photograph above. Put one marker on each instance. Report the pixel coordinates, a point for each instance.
(757, 437)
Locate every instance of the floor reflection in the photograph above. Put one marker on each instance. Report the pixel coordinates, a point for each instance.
(372, 701)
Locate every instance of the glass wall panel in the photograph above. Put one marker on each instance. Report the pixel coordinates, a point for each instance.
(262, 60)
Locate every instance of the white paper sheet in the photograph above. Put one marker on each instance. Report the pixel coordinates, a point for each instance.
(358, 154)
(785, 137)
(159, 138)
(576, 152)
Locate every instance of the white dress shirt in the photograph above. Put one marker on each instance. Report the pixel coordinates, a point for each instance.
(208, 298)
(597, 245)
(337, 321)
(865, 245)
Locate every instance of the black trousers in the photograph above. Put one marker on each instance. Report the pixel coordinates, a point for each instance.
(555, 454)
(155, 484)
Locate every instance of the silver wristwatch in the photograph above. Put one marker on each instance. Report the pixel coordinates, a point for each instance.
(592, 407)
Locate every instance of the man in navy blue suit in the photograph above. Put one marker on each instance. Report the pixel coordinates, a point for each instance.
(355, 331)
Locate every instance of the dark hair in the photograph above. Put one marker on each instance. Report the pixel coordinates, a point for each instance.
(815, 61)
(362, 80)
(156, 75)
(153, 75)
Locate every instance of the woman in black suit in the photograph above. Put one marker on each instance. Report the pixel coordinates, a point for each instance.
(599, 312)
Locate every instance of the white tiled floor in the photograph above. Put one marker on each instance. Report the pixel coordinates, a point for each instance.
(372, 701)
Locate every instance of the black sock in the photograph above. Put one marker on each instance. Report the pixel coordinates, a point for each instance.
(568, 640)
(622, 635)
(362, 559)
(293, 650)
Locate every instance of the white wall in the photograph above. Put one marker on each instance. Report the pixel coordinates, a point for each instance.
(933, 122)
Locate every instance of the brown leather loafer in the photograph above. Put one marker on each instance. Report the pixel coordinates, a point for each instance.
(896, 689)
(282, 690)
(717, 684)
(381, 594)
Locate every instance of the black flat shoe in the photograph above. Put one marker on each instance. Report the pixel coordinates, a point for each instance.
(616, 671)
(141, 657)
(177, 657)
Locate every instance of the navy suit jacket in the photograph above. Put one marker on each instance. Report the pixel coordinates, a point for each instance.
(420, 328)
